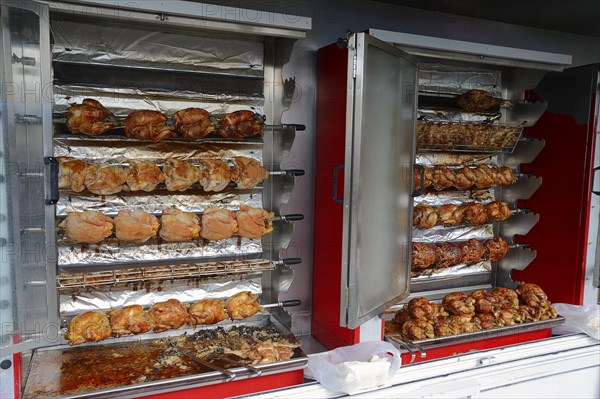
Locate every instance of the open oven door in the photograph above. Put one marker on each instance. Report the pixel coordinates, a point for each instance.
(378, 179)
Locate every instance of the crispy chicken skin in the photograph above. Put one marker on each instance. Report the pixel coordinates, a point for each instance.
(484, 301)
(473, 251)
(130, 320)
(448, 254)
(443, 178)
(242, 305)
(240, 124)
(475, 214)
(254, 222)
(417, 329)
(87, 227)
(496, 249)
(450, 214)
(207, 311)
(169, 315)
(458, 304)
(464, 178)
(497, 211)
(421, 308)
(485, 176)
(149, 126)
(423, 255)
(248, 172)
(478, 101)
(105, 179)
(180, 175)
(424, 216)
(505, 176)
(179, 226)
(144, 176)
(135, 226)
(71, 173)
(194, 123)
(532, 295)
(506, 297)
(88, 327)
(218, 224)
(90, 118)
(215, 175)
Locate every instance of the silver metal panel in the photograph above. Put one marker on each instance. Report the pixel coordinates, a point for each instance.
(378, 189)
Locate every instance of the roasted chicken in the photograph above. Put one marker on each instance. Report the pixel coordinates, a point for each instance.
(135, 226)
(458, 304)
(482, 176)
(169, 315)
(485, 176)
(478, 101)
(88, 327)
(254, 222)
(443, 178)
(532, 295)
(240, 124)
(505, 176)
(450, 215)
(424, 216)
(455, 325)
(179, 226)
(448, 254)
(464, 178)
(484, 302)
(215, 175)
(149, 126)
(423, 255)
(87, 227)
(421, 308)
(194, 123)
(496, 249)
(417, 329)
(248, 172)
(71, 174)
(475, 214)
(242, 305)
(144, 176)
(497, 211)
(218, 224)
(90, 118)
(130, 320)
(208, 311)
(180, 175)
(472, 250)
(105, 179)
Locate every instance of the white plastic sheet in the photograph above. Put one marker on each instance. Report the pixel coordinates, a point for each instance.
(579, 319)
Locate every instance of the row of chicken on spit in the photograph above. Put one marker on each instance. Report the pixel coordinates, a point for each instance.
(443, 177)
(177, 175)
(174, 226)
(426, 217)
(481, 310)
(93, 326)
(92, 118)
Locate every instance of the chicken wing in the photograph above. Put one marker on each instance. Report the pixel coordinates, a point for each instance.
(71, 173)
(135, 226)
(215, 175)
(254, 222)
(169, 315)
(179, 226)
(248, 172)
(180, 175)
(194, 123)
(240, 124)
(424, 216)
(497, 211)
(218, 224)
(90, 118)
(144, 176)
(87, 227)
(105, 179)
(149, 126)
(208, 311)
(450, 215)
(130, 320)
(242, 305)
(478, 101)
(475, 214)
(88, 327)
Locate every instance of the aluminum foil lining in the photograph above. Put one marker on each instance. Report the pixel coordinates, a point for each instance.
(76, 301)
(454, 115)
(457, 270)
(457, 233)
(435, 198)
(450, 79)
(122, 45)
(455, 159)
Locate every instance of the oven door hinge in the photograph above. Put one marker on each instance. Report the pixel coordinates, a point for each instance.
(354, 62)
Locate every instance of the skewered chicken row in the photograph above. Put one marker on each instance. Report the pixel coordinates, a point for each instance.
(254, 222)
(90, 118)
(248, 173)
(478, 101)
(483, 176)
(426, 217)
(194, 123)
(149, 126)
(105, 179)
(71, 174)
(240, 124)
(135, 226)
(87, 227)
(88, 327)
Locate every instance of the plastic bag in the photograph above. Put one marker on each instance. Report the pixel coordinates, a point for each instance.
(355, 368)
(579, 319)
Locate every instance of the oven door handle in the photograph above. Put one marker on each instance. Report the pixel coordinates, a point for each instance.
(52, 169)
(597, 168)
(335, 184)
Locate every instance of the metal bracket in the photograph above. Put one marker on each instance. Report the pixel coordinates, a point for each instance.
(516, 259)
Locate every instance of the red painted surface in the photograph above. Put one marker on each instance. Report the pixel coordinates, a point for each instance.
(332, 64)
(457, 349)
(17, 374)
(236, 388)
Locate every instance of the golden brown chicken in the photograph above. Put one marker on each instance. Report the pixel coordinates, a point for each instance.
(448, 254)
(424, 216)
(478, 101)
(240, 124)
(135, 226)
(484, 301)
(71, 173)
(496, 249)
(423, 255)
(243, 304)
(208, 311)
(194, 123)
(87, 227)
(180, 175)
(105, 179)
(401, 316)
(254, 222)
(532, 295)
(215, 175)
(474, 214)
(90, 118)
(443, 178)
(130, 320)
(144, 176)
(417, 329)
(506, 316)
(218, 224)
(421, 308)
(450, 214)
(455, 325)
(179, 226)
(464, 178)
(497, 211)
(169, 315)
(485, 176)
(88, 327)
(248, 172)
(485, 321)
(473, 251)
(505, 176)
(149, 126)
(458, 304)
(506, 297)
(427, 176)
